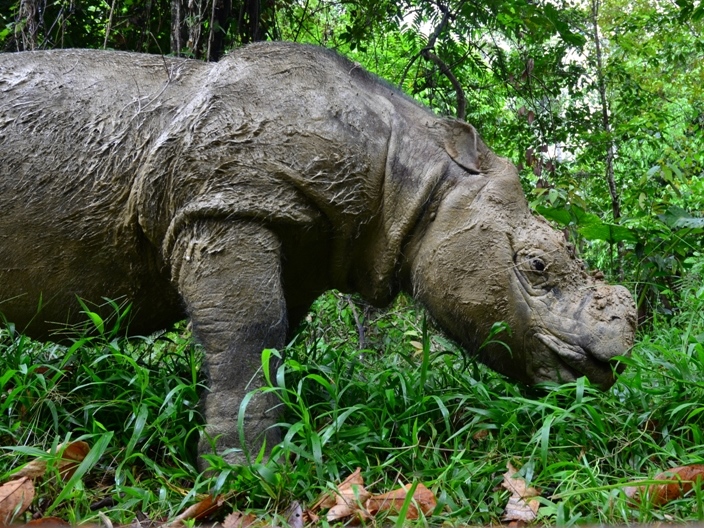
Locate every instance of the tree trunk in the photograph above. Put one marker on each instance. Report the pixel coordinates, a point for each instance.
(200, 28)
(187, 18)
(254, 20)
(28, 24)
(219, 24)
(606, 125)
(179, 34)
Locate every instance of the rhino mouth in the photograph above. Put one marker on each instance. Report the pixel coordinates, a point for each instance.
(576, 362)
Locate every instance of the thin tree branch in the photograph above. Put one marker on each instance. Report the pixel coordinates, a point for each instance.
(407, 69)
(445, 69)
(300, 22)
(427, 54)
(211, 34)
(109, 26)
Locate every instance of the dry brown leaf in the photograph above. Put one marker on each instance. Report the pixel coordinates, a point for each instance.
(480, 435)
(72, 456)
(393, 501)
(199, 510)
(352, 493)
(15, 498)
(659, 494)
(238, 520)
(34, 469)
(521, 506)
(309, 517)
(339, 511)
(74, 453)
(328, 499)
(48, 522)
(349, 498)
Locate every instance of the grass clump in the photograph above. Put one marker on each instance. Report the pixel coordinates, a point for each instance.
(134, 401)
(362, 388)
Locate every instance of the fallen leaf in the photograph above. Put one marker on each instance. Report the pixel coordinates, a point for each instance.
(15, 498)
(683, 478)
(352, 493)
(199, 510)
(48, 522)
(352, 499)
(521, 506)
(349, 498)
(393, 501)
(238, 520)
(339, 511)
(310, 517)
(480, 435)
(72, 455)
(328, 499)
(294, 515)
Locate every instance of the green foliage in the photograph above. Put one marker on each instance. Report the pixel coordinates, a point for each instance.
(133, 401)
(119, 24)
(361, 388)
(421, 411)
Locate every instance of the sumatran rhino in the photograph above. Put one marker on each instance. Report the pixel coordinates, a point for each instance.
(236, 192)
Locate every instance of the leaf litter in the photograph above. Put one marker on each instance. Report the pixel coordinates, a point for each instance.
(352, 500)
(16, 495)
(677, 482)
(522, 505)
(348, 501)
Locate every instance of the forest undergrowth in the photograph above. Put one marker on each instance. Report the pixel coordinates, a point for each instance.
(361, 388)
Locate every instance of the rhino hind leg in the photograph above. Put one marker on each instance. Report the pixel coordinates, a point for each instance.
(229, 275)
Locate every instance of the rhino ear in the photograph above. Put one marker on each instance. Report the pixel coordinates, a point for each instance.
(464, 146)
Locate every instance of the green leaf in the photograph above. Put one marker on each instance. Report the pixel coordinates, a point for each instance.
(678, 218)
(610, 233)
(94, 317)
(698, 13)
(139, 423)
(562, 28)
(559, 215)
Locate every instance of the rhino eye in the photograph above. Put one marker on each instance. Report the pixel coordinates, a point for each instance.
(532, 272)
(537, 265)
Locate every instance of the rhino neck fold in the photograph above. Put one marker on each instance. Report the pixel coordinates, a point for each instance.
(414, 172)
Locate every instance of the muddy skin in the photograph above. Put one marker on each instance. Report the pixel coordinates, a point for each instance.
(236, 192)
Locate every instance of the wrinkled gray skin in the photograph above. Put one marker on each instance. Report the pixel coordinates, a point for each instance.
(237, 192)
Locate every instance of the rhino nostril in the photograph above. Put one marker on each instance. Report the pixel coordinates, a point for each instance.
(615, 318)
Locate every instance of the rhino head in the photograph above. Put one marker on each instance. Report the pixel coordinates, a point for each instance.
(479, 256)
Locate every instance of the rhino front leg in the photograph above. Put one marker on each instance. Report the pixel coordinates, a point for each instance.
(229, 274)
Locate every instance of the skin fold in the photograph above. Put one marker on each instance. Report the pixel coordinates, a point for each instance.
(235, 193)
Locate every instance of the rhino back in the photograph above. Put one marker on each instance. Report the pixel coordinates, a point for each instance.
(290, 136)
(280, 133)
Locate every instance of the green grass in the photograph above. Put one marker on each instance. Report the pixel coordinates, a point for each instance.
(362, 388)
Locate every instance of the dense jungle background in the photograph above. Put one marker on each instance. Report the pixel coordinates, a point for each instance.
(601, 106)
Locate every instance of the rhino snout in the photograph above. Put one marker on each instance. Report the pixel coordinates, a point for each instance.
(611, 323)
(584, 336)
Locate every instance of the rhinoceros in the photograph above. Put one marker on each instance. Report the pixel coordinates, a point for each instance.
(235, 193)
